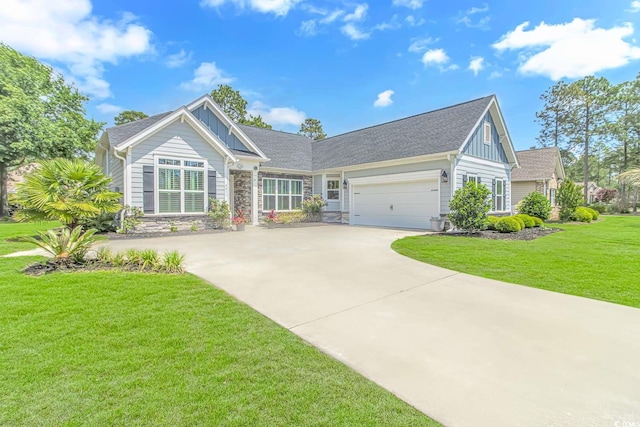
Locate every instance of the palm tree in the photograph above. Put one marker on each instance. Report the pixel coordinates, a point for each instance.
(65, 190)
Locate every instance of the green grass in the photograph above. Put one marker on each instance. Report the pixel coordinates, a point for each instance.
(114, 348)
(10, 229)
(598, 260)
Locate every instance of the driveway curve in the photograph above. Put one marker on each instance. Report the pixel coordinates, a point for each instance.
(465, 350)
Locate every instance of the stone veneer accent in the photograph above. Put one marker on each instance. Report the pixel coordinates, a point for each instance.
(162, 224)
(334, 217)
(242, 191)
(307, 186)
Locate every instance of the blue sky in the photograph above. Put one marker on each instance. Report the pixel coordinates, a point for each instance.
(349, 64)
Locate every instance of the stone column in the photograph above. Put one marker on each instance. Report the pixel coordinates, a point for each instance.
(254, 196)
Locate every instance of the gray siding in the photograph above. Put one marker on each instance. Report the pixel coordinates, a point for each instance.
(212, 121)
(176, 140)
(445, 189)
(466, 165)
(317, 184)
(117, 173)
(521, 189)
(477, 148)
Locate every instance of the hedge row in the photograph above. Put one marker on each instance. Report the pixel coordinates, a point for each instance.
(512, 224)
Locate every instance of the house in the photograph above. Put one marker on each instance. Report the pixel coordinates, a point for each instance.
(397, 174)
(540, 170)
(592, 190)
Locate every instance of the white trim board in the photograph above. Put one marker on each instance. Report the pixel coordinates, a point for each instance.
(396, 177)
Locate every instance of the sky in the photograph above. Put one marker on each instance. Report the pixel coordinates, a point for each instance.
(350, 64)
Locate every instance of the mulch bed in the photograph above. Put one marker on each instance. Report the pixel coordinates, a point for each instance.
(526, 234)
(46, 267)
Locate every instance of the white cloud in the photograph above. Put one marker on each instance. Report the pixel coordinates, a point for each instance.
(332, 16)
(312, 27)
(206, 77)
(354, 33)
(105, 108)
(412, 21)
(635, 6)
(67, 32)
(438, 58)
(411, 4)
(393, 24)
(308, 28)
(277, 7)
(179, 59)
(421, 44)
(573, 49)
(384, 99)
(476, 64)
(495, 75)
(467, 17)
(358, 14)
(277, 115)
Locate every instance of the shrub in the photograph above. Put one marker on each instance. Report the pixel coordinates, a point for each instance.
(291, 217)
(491, 222)
(527, 220)
(130, 219)
(569, 198)
(582, 214)
(520, 221)
(535, 204)
(149, 259)
(134, 257)
(599, 207)
(220, 213)
(537, 221)
(104, 255)
(508, 224)
(69, 191)
(172, 262)
(104, 222)
(594, 213)
(469, 207)
(65, 245)
(313, 205)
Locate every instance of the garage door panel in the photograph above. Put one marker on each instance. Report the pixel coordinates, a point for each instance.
(414, 203)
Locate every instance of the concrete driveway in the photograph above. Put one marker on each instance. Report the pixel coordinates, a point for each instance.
(466, 351)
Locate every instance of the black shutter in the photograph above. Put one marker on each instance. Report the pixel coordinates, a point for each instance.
(211, 183)
(148, 193)
(479, 180)
(493, 193)
(464, 180)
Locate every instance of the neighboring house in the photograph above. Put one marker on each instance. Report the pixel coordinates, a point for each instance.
(540, 170)
(396, 174)
(592, 190)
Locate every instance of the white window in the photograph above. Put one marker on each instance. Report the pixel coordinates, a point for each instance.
(499, 195)
(181, 186)
(472, 178)
(281, 194)
(333, 189)
(487, 133)
(552, 196)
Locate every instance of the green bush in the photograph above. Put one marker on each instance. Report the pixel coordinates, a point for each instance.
(508, 224)
(599, 207)
(538, 222)
(582, 214)
(594, 213)
(131, 218)
(519, 220)
(527, 220)
(313, 205)
(220, 213)
(104, 222)
(491, 222)
(469, 207)
(569, 198)
(535, 204)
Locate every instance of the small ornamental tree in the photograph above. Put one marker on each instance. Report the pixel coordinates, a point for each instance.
(569, 198)
(469, 207)
(536, 204)
(606, 195)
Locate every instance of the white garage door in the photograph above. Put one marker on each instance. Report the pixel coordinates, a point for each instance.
(396, 204)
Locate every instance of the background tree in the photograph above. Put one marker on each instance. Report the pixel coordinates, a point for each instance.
(235, 106)
(312, 128)
(40, 116)
(128, 116)
(64, 190)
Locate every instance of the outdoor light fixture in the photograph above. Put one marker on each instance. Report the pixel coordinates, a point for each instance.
(444, 176)
(344, 184)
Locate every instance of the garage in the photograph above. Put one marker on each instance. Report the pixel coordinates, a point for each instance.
(406, 200)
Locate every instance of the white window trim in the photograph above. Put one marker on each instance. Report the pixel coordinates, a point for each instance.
(276, 194)
(325, 185)
(474, 176)
(487, 133)
(156, 186)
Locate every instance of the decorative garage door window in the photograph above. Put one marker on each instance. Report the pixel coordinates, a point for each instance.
(333, 189)
(281, 194)
(181, 186)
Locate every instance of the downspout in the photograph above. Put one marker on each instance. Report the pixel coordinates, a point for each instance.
(124, 183)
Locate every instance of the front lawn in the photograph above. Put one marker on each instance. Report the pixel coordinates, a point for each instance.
(11, 230)
(115, 348)
(598, 260)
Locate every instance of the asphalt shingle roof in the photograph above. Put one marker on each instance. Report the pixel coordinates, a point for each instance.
(536, 164)
(286, 150)
(119, 134)
(434, 132)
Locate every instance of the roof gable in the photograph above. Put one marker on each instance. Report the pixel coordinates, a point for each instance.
(538, 164)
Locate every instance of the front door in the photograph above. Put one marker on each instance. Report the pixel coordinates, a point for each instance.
(332, 192)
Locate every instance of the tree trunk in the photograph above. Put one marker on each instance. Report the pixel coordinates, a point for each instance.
(586, 157)
(4, 201)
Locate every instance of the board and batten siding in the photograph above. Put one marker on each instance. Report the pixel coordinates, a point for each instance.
(477, 148)
(487, 171)
(177, 140)
(445, 189)
(216, 126)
